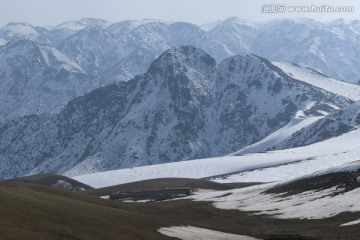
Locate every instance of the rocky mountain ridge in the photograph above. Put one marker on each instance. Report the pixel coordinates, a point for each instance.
(186, 106)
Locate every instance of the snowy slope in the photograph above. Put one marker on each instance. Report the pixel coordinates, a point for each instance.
(81, 24)
(320, 195)
(37, 79)
(330, 48)
(122, 28)
(308, 131)
(94, 49)
(235, 34)
(337, 125)
(334, 124)
(253, 167)
(57, 34)
(351, 91)
(278, 136)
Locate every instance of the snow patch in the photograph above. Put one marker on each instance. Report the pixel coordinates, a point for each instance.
(350, 223)
(195, 233)
(307, 205)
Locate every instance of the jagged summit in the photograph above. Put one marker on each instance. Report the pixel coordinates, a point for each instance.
(182, 58)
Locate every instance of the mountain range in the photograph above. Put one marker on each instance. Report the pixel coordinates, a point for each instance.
(90, 95)
(105, 52)
(186, 106)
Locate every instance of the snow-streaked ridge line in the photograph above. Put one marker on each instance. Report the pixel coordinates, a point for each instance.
(307, 75)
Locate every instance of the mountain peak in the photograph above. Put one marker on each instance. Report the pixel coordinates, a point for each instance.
(185, 52)
(237, 20)
(15, 24)
(181, 57)
(93, 21)
(19, 30)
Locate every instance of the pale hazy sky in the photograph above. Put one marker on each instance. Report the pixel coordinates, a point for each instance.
(53, 12)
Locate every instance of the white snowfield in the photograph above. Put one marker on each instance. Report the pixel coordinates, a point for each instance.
(307, 205)
(316, 204)
(307, 75)
(260, 167)
(195, 233)
(297, 123)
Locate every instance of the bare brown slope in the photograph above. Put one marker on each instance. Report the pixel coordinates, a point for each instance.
(39, 212)
(158, 184)
(53, 180)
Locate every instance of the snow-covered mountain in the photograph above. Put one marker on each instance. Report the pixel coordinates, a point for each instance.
(57, 34)
(235, 34)
(52, 35)
(121, 29)
(127, 48)
(94, 49)
(309, 131)
(38, 79)
(302, 131)
(182, 33)
(116, 52)
(16, 31)
(185, 107)
(330, 48)
(334, 124)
